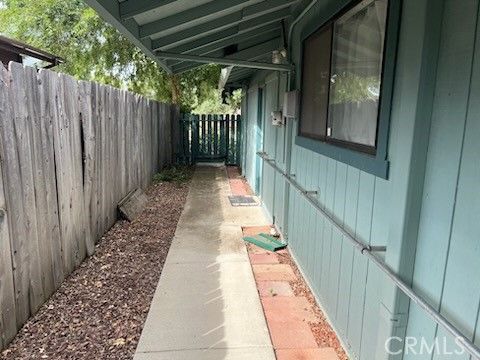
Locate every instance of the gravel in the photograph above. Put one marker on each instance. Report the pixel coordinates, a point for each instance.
(99, 311)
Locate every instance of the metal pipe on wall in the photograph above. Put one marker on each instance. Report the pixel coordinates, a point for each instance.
(290, 33)
(287, 153)
(368, 251)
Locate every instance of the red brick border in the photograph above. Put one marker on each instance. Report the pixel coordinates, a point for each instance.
(297, 326)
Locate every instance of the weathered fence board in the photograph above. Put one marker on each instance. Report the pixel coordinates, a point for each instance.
(89, 146)
(51, 216)
(8, 322)
(70, 151)
(21, 202)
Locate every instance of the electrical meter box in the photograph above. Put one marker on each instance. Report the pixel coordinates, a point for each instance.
(291, 104)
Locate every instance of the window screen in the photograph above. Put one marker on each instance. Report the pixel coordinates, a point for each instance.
(357, 57)
(341, 79)
(315, 83)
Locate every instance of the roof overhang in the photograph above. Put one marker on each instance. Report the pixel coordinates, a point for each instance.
(183, 34)
(23, 49)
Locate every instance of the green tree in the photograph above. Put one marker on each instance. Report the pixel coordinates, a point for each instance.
(96, 51)
(213, 103)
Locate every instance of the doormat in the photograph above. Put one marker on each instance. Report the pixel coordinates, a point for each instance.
(265, 241)
(242, 200)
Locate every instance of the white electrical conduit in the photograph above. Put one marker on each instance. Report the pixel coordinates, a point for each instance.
(368, 250)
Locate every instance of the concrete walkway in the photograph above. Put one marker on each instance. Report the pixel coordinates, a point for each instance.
(206, 305)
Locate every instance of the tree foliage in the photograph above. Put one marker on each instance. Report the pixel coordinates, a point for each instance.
(351, 87)
(213, 103)
(96, 51)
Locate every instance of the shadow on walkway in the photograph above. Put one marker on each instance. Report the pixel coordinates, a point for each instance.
(206, 305)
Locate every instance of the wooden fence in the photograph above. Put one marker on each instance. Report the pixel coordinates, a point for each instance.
(69, 152)
(210, 138)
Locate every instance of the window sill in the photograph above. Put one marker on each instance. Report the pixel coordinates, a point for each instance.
(374, 165)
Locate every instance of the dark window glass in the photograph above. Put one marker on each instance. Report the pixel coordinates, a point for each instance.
(357, 58)
(341, 78)
(315, 83)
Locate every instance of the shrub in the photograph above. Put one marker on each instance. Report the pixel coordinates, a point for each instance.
(178, 174)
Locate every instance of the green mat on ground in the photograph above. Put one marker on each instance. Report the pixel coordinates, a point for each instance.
(266, 242)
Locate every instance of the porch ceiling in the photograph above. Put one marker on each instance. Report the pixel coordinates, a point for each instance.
(183, 34)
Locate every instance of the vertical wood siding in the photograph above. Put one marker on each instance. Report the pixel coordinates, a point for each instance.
(69, 152)
(252, 170)
(447, 270)
(343, 280)
(269, 146)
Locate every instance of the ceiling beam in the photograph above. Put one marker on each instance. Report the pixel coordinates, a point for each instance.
(224, 61)
(110, 12)
(259, 23)
(196, 32)
(266, 6)
(240, 71)
(250, 54)
(239, 76)
(131, 8)
(267, 11)
(237, 70)
(255, 36)
(198, 12)
(254, 51)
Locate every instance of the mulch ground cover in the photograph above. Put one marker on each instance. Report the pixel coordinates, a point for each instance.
(99, 311)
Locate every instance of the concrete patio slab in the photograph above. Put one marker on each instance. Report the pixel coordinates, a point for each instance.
(206, 305)
(209, 354)
(200, 305)
(225, 244)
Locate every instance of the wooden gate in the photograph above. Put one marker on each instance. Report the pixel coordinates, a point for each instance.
(205, 138)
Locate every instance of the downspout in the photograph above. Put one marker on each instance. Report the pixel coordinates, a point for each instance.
(290, 128)
(290, 33)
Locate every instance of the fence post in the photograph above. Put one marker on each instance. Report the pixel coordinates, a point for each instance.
(215, 137)
(195, 138)
(238, 140)
(184, 126)
(222, 136)
(227, 138)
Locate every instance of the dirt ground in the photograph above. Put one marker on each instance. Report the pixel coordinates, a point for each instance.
(99, 311)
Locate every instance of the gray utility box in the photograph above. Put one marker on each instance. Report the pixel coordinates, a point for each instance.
(291, 104)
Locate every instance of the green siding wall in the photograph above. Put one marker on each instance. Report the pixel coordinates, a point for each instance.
(447, 270)
(343, 281)
(432, 189)
(251, 163)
